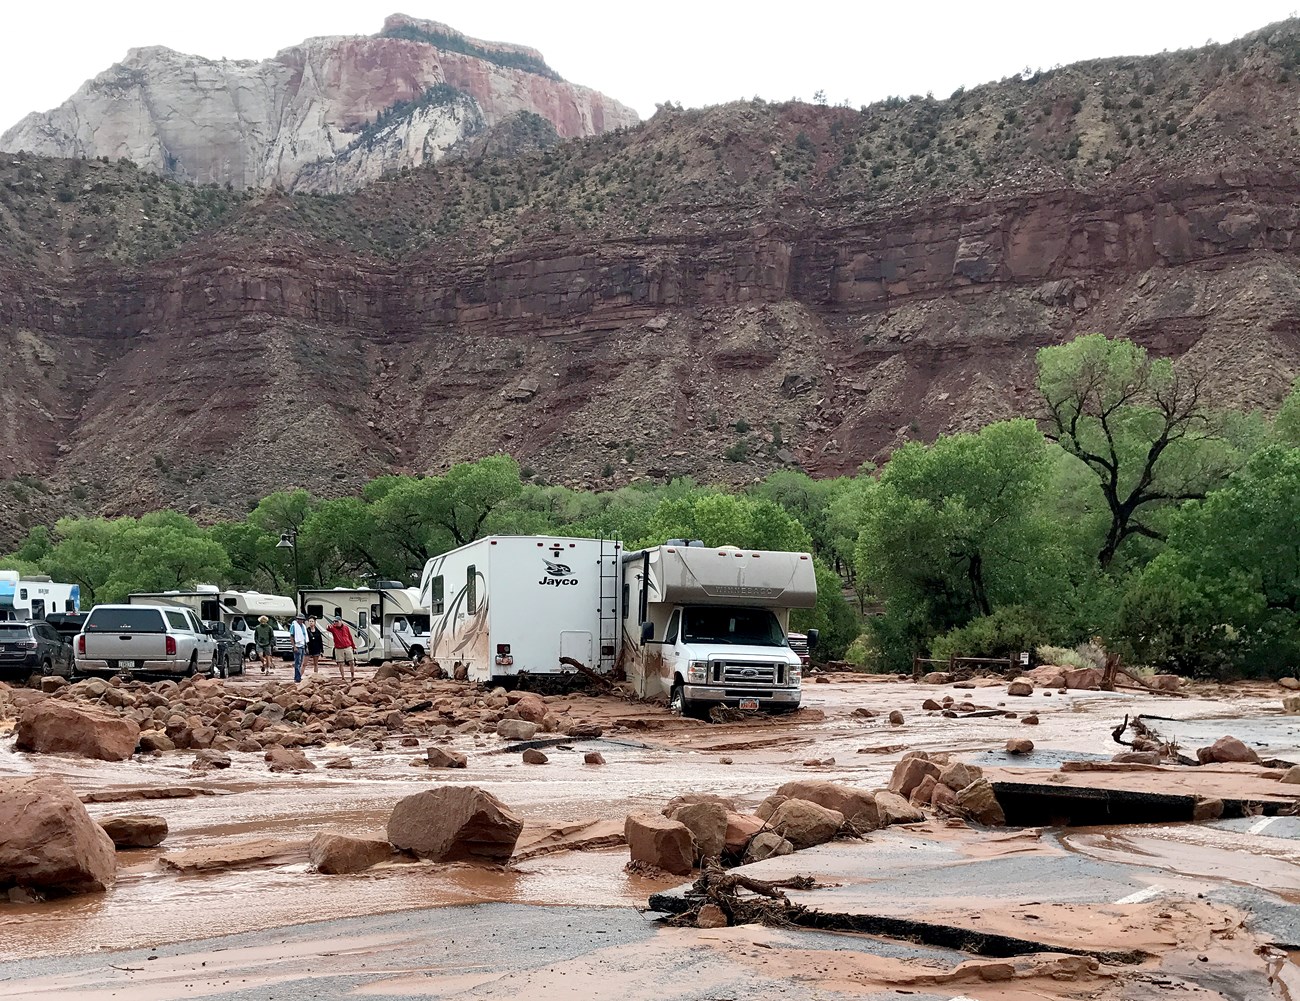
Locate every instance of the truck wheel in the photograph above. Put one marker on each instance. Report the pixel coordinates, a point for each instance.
(47, 667)
(193, 666)
(249, 651)
(417, 653)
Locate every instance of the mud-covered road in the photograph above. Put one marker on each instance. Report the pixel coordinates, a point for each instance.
(242, 848)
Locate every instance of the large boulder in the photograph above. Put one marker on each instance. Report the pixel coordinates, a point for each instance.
(336, 854)
(741, 828)
(805, 824)
(454, 823)
(1021, 687)
(686, 799)
(978, 802)
(530, 707)
(858, 806)
(1083, 678)
(894, 809)
(1047, 676)
(288, 759)
(910, 772)
(707, 822)
(517, 729)
(135, 830)
(442, 757)
(658, 841)
(1291, 704)
(1166, 682)
(768, 844)
(48, 842)
(1226, 750)
(56, 727)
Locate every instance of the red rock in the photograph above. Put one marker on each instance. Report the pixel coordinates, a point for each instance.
(137, 830)
(441, 757)
(708, 825)
(1226, 750)
(593, 758)
(336, 854)
(767, 844)
(909, 773)
(1031, 719)
(937, 678)
(980, 803)
(943, 797)
(741, 827)
(531, 707)
(896, 718)
(56, 727)
(856, 806)
(454, 823)
(1082, 679)
(1137, 758)
(285, 759)
(805, 824)
(894, 809)
(920, 796)
(711, 916)
(1047, 676)
(532, 756)
(930, 705)
(660, 842)
(686, 799)
(1021, 687)
(1019, 745)
(48, 842)
(1166, 682)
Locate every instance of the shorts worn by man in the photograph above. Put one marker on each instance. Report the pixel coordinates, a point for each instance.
(344, 647)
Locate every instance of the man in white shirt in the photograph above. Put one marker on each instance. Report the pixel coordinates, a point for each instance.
(298, 633)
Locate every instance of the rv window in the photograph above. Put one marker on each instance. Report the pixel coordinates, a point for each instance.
(471, 589)
(362, 621)
(38, 608)
(374, 613)
(237, 624)
(399, 624)
(435, 599)
(742, 626)
(420, 624)
(316, 610)
(627, 597)
(209, 609)
(671, 635)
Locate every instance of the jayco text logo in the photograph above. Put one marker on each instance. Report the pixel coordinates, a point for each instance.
(557, 575)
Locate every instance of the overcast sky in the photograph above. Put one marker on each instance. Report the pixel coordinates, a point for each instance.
(697, 52)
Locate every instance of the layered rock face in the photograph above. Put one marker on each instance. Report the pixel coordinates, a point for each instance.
(327, 115)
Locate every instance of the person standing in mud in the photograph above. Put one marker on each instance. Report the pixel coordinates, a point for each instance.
(298, 633)
(344, 647)
(315, 645)
(264, 640)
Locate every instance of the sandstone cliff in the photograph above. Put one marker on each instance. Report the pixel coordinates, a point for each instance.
(328, 115)
(715, 293)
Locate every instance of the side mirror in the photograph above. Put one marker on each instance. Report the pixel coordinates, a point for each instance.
(812, 637)
(647, 632)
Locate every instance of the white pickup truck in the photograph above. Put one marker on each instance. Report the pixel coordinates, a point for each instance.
(155, 638)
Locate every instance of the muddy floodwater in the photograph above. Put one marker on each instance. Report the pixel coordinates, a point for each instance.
(242, 844)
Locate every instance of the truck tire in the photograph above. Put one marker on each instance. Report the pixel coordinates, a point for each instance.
(249, 651)
(192, 668)
(416, 653)
(678, 702)
(47, 668)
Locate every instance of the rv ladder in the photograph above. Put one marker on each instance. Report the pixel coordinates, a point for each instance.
(611, 570)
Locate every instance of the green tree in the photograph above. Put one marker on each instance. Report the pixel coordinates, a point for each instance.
(1287, 425)
(1140, 426)
(955, 529)
(82, 554)
(1224, 595)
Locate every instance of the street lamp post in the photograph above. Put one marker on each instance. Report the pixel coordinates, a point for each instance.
(289, 540)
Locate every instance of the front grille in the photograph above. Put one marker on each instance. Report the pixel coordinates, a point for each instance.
(741, 673)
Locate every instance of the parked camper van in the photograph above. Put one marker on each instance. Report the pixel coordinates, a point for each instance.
(32, 598)
(516, 605)
(239, 610)
(698, 625)
(709, 626)
(388, 621)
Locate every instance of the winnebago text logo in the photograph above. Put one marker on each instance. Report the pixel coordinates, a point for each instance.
(557, 574)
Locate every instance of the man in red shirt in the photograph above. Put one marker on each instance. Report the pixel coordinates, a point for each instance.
(344, 647)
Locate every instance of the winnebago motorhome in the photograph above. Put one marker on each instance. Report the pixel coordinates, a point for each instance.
(240, 610)
(516, 605)
(35, 597)
(388, 621)
(709, 626)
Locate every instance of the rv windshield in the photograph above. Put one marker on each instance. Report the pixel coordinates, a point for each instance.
(736, 626)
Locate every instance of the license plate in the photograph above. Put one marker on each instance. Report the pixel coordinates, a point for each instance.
(749, 703)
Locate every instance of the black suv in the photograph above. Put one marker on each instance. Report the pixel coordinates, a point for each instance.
(28, 648)
(230, 650)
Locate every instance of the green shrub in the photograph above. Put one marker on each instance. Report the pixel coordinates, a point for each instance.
(1007, 632)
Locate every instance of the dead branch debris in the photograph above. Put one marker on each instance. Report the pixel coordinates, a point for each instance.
(764, 903)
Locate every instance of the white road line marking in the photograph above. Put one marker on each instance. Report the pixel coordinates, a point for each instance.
(1141, 895)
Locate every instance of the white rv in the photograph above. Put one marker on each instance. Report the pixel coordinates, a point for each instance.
(700, 626)
(240, 610)
(709, 626)
(388, 621)
(35, 597)
(517, 605)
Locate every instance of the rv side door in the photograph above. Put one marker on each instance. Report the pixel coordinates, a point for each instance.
(670, 649)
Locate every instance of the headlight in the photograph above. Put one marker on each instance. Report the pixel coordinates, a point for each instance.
(794, 674)
(697, 671)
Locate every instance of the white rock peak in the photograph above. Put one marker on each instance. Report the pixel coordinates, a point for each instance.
(329, 114)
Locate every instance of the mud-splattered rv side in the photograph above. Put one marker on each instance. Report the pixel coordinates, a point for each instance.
(516, 605)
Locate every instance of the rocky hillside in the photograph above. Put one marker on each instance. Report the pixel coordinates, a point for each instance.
(328, 115)
(715, 293)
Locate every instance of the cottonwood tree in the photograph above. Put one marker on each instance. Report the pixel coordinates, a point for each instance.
(1143, 428)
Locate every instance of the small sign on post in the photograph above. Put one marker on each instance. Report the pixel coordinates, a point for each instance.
(1024, 658)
